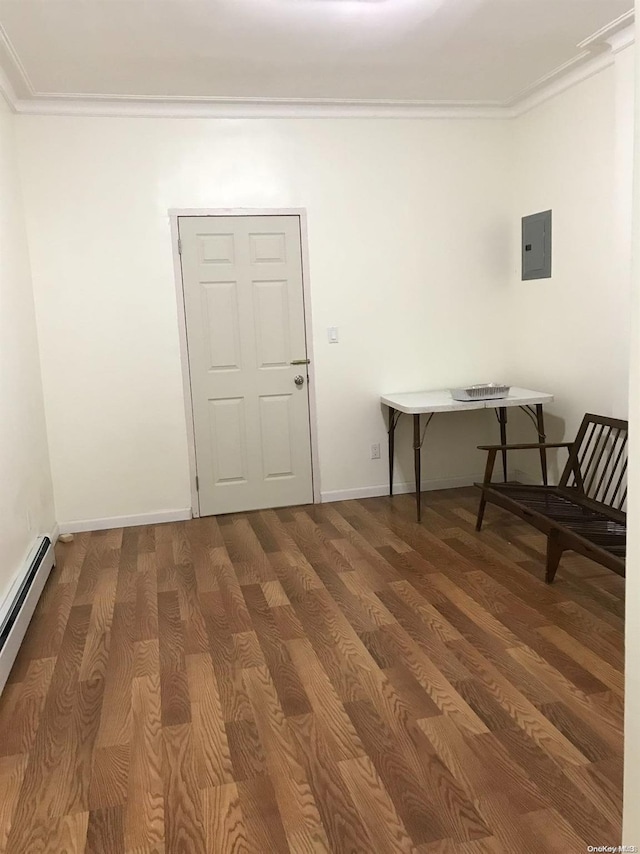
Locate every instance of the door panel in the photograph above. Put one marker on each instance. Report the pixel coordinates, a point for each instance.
(271, 311)
(268, 248)
(227, 434)
(220, 314)
(244, 307)
(277, 435)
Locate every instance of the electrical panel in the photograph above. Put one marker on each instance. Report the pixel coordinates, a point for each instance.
(536, 246)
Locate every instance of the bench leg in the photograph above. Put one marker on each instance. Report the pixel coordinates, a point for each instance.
(554, 553)
(481, 509)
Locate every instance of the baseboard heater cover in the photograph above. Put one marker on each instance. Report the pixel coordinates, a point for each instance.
(21, 603)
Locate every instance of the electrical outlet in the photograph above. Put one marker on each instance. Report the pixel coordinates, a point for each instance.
(375, 451)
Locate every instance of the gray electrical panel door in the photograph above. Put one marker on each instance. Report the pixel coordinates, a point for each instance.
(536, 246)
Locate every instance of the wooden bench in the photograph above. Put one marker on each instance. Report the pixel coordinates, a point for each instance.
(586, 512)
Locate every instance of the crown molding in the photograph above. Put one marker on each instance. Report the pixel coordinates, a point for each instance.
(7, 91)
(544, 83)
(622, 39)
(605, 33)
(560, 84)
(19, 72)
(595, 53)
(264, 109)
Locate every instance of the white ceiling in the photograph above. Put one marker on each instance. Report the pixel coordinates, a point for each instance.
(451, 51)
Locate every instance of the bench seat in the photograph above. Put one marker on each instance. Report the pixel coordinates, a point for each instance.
(586, 512)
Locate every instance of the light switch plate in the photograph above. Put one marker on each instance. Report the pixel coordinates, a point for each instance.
(333, 334)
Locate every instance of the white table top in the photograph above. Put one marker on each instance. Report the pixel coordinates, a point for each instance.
(417, 402)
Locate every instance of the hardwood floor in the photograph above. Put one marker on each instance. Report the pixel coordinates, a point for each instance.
(332, 678)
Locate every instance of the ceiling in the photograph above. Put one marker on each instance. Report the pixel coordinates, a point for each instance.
(479, 52)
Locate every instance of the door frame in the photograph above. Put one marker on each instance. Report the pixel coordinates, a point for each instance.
(301, 213)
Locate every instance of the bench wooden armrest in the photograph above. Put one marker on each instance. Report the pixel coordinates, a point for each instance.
(525, 447)
(493, 450)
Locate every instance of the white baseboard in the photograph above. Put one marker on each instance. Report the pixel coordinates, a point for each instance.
(102, 524)
(399, 488)
(526, 477)
(107, 522)
(55, 533)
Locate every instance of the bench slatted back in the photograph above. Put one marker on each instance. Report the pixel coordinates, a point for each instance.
(597, 465)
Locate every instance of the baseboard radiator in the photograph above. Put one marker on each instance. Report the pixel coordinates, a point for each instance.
(18, 607)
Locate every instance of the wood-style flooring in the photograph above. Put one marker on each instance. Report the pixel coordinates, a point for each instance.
(332, 678)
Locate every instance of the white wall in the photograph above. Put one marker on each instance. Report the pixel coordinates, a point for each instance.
(625, 87)
(570, 334)
(631, 810)
(26, 499)
(408, 232)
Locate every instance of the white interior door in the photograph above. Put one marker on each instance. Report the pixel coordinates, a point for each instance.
(244, 306)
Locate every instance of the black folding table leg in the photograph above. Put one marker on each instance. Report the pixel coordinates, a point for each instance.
(542, 438)
(502, 417)
(416, 461)
(392, 431)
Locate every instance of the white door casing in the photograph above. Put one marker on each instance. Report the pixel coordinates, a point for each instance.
(245, 324)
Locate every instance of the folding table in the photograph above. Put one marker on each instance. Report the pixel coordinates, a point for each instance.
(419, 403)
